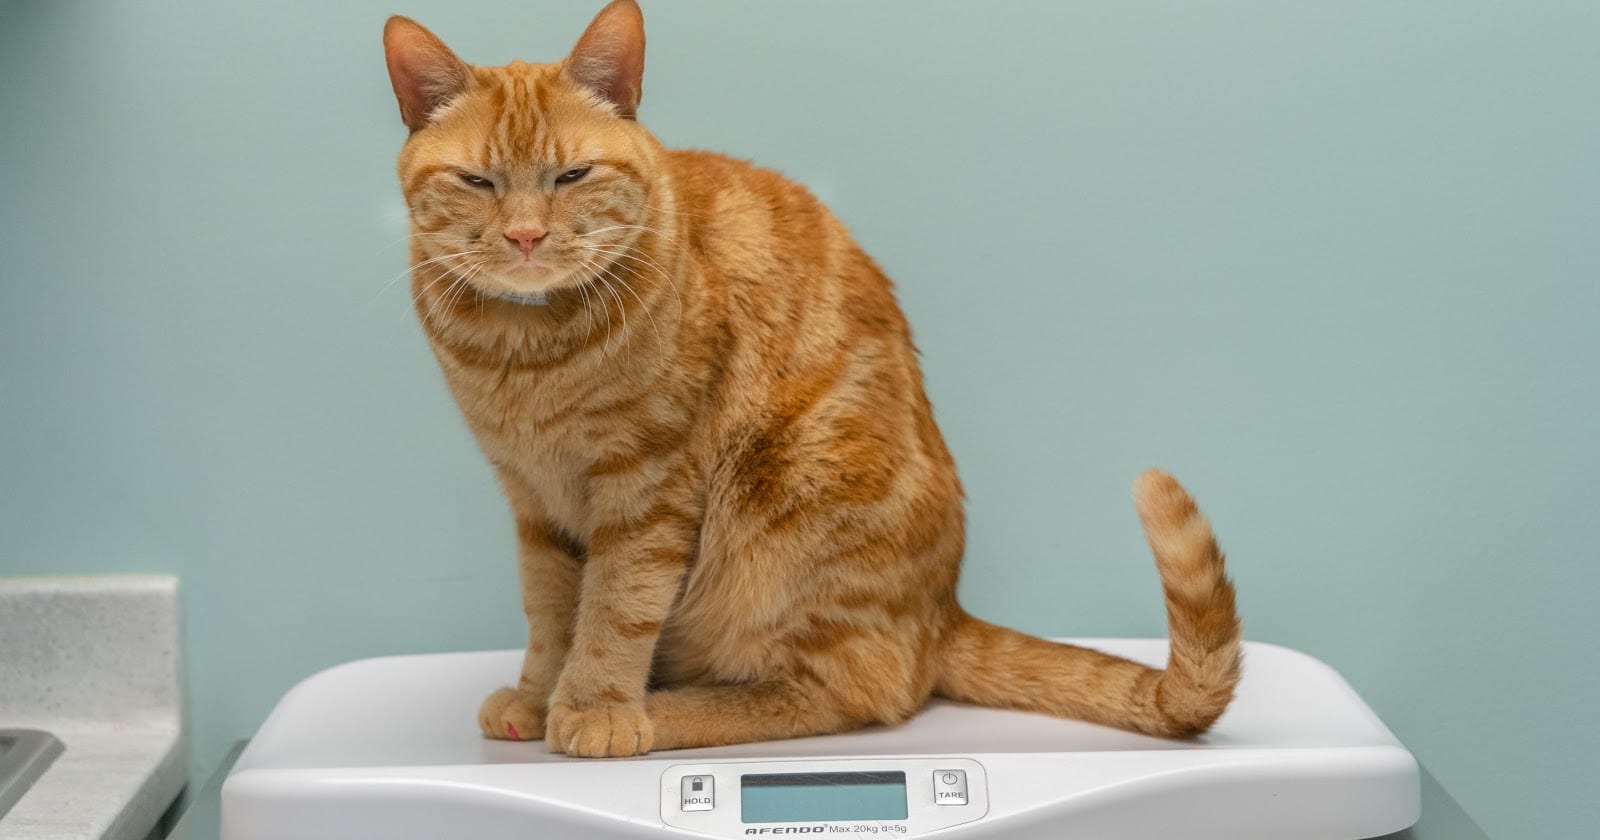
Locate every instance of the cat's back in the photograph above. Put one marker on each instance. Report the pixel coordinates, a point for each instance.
(731, 202)
(754, 227)
(814, 349)
(795, 289)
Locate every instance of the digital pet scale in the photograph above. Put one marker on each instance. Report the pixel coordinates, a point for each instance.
(389, 748)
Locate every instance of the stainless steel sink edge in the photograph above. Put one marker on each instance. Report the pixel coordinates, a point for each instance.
(24, 756)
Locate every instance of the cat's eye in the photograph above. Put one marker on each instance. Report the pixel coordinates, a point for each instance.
(571, 175)
(482, 183)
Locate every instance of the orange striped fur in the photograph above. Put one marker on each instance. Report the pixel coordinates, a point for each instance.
(737, 519)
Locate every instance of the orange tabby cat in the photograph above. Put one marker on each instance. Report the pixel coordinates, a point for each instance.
(736, 518)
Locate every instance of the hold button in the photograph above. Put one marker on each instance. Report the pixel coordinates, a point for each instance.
(698, 793)
(950, 787)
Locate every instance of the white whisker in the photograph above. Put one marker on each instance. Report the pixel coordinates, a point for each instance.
(446, 299)
(587, 268)
(626, 252)
(622, 308)
(642, 306)
(438, 299)
(395, 242)
(588, 314)
(412, 268)
(466, 284)
(605, 308)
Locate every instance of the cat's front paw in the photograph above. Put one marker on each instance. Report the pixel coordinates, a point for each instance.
(511, 715)
(606, 731)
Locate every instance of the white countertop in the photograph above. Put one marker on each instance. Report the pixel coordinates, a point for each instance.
(96, 662)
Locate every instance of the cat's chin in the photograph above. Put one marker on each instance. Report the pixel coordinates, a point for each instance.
(524, 278)
(527, 282)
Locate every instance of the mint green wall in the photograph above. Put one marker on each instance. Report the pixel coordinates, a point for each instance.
(1334, 264)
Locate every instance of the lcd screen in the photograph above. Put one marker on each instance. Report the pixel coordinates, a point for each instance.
(822, 797)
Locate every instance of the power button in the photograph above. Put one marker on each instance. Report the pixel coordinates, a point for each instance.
(950, 787)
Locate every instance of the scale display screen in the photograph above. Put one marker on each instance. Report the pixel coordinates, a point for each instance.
(821, 797)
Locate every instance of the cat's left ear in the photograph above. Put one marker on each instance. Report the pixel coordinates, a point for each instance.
(424, 72)
(609, 58)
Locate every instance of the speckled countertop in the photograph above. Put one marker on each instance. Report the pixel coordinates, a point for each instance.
(95, 661)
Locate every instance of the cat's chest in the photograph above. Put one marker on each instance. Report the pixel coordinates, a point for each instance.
(515, 406)
(547, 429)
(551, 460)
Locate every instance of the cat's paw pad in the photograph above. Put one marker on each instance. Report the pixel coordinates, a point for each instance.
(511, 715)
(610, 731)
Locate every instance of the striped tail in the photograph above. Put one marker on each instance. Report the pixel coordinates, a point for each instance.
(993, 666)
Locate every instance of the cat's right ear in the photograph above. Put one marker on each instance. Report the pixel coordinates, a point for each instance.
(425, 73)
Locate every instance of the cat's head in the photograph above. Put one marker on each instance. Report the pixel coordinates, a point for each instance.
(527, 178)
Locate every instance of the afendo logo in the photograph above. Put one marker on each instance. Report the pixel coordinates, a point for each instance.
(788, 829)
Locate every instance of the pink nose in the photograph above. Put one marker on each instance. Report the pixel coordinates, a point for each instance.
(526, 239)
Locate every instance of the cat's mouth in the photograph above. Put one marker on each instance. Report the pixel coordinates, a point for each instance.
(527, 279)
(532, 269)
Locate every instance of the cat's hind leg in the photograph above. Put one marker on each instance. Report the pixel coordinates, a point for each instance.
(719, 715)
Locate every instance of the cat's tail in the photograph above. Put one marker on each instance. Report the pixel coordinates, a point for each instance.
(992, 666)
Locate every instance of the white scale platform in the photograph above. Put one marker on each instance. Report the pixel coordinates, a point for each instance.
(389, 748)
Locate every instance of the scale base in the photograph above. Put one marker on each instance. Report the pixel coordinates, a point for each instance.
(389, 748)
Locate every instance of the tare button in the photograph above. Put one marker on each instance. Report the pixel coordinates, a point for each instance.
(699, 794)
(950, 787)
